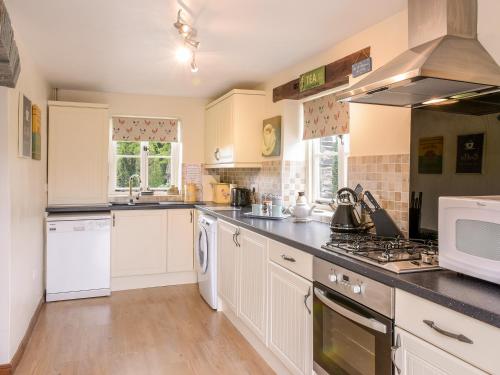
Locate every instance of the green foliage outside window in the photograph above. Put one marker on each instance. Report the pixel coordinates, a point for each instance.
(129, 163)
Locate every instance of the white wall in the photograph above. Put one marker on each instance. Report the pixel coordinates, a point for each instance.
(4, 231)
(22, 190)
(191, 111)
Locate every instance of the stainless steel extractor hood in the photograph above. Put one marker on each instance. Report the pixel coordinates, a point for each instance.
(445, 69)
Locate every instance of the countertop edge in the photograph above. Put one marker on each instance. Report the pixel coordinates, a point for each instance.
(125, 207)
(373, 272)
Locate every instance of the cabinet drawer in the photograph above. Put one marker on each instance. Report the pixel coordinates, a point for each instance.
(292, 259)
(412, 311)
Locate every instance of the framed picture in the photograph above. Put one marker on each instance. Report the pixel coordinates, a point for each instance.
(36, 133)
(271, 137)
(430, 155)
(25, 127)
(470, 150)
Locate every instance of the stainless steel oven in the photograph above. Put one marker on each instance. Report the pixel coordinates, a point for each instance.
(353, 322)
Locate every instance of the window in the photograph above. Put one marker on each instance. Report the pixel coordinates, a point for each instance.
(328, 167)
(157, 163)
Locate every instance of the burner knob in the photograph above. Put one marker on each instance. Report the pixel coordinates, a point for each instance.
(356, 289)
(333, 278)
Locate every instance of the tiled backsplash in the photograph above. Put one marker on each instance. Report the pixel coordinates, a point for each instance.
(387, 177)
(294, 180)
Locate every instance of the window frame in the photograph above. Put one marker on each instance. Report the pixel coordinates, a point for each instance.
(313, 155)
(175, 166)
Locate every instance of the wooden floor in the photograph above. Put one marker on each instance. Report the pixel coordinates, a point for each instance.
(167, 330)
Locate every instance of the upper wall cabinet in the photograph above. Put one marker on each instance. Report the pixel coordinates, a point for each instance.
(233, 133)
(78, 153)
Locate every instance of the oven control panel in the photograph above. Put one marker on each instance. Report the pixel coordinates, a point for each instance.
(371, 293)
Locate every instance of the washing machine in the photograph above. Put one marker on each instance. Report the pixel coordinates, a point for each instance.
(206, 258)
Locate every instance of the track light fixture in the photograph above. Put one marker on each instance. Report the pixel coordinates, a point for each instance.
(188, 33)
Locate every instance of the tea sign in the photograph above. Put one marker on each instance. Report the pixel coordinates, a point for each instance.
(312, 79)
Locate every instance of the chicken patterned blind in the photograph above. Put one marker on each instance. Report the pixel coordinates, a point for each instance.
(145, 129)
(325, 117)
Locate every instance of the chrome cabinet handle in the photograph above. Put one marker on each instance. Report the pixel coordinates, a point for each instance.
(191, 216)
(237, 235)
(394, 349)
(216, 154)
(114, 219)
(306, 297)
(456, 336)
(287, 258)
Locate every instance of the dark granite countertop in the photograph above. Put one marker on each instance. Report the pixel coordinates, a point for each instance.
(472, 297)
(117, 207)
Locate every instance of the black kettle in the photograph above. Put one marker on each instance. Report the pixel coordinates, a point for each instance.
(346, 218)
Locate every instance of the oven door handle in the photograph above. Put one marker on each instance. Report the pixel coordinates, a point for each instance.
(367, 322)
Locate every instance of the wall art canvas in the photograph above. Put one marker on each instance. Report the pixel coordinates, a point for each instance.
(36, 136)
(271, 137)
(25, 128)
(430, 155)
(470, 150)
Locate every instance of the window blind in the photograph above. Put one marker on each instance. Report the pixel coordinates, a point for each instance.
(145, 129)
(325, 117)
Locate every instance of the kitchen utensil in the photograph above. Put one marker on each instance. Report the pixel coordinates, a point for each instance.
(222, 193)
(240, 197)
(276, 210)
(265, 217)
(301, 210)
(257, 209)
(415, 215)
(384, 225)
(346, 218)
(191, 192)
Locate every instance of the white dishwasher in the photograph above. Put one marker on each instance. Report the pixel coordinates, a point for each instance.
(78, 256)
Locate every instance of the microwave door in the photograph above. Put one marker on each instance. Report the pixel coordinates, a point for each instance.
(349, 339)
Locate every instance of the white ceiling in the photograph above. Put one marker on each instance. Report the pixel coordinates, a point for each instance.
(129, 45)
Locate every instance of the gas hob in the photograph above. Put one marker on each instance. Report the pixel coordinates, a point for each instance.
(397, 254)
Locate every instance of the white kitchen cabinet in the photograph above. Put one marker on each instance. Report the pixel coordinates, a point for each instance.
(180, 248)
(416, 315)
(138, 242)
(228, 254)
(211, 135)
(252, 282)
(415, 356)
(290, 319)
(78, 153)
(234, 130)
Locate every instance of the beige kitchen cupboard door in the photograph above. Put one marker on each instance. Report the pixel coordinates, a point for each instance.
(78, 153)
(253, 282)
(138, 242)
(228, 255)
(211, 135)
(233, 129)
(416, 356)
(180, 254)
(290, 319)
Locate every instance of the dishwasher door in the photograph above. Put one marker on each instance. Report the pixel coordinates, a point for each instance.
(78, 258)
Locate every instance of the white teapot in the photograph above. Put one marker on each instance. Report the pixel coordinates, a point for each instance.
(301, 211)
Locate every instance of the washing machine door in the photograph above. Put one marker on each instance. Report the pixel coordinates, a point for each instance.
(202, 250)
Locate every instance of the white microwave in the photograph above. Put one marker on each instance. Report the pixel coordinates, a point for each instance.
(469, 236)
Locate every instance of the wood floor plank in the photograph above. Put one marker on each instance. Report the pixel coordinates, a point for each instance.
(168, 330)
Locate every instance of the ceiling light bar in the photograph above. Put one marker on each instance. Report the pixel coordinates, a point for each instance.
(188, 33)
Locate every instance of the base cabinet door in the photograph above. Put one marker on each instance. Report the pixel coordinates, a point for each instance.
(290, 319)
(252, 282)
(227, 276)
(180, 254)
(138, 242)
(415, 356)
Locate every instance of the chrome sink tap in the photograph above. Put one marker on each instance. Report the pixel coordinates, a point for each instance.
(130, 195)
